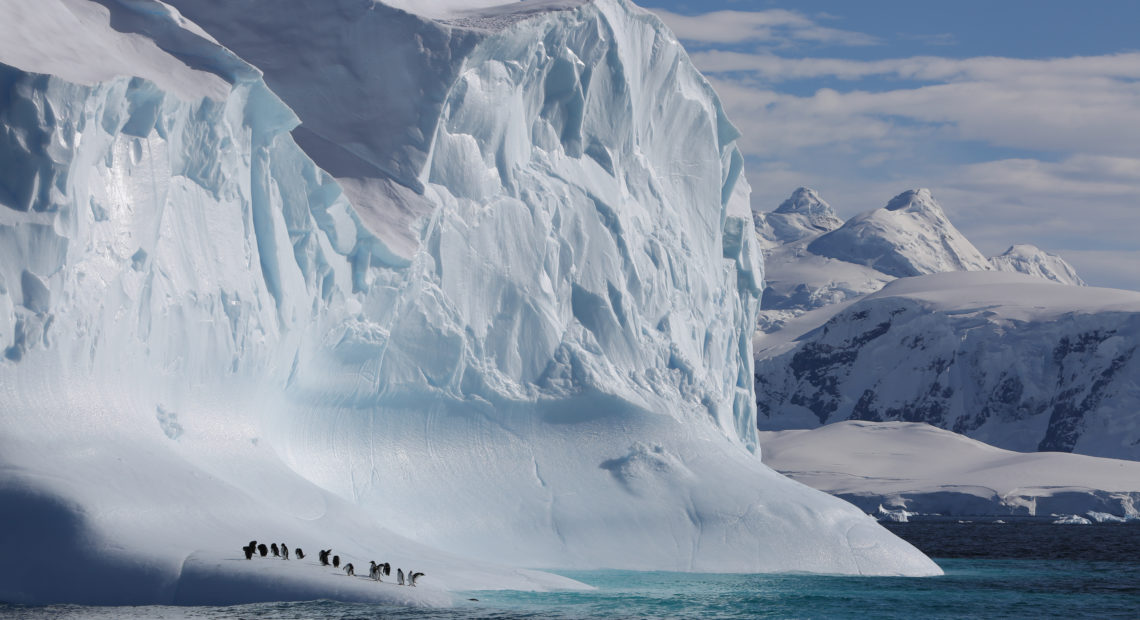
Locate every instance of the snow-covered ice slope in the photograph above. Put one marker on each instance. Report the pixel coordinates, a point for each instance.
(1009, 359)
(524, 335)
(918, 468)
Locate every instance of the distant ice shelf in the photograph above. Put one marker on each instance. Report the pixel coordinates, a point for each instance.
(902, 470)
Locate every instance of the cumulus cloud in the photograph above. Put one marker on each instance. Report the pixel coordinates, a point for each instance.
(776, 26)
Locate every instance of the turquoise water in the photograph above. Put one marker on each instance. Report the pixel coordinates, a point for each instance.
(1014, 571)
(980, 588)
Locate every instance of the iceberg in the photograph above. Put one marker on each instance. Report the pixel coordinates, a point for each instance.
(481, 299)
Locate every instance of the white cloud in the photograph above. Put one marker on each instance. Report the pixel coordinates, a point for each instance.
(776, 26)
(1086, 104)
(1042, 151)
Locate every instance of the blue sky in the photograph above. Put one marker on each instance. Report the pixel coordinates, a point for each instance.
(1022, 117)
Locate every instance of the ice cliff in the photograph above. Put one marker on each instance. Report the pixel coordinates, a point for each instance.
(482, 287)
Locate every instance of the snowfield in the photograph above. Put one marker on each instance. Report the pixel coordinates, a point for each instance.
(437, 293)
(907, 467)
(1009, 359)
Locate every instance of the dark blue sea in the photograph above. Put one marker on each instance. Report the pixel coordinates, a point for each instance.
(1022, 570)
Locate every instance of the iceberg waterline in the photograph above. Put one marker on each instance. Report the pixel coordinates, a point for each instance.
(206, 340)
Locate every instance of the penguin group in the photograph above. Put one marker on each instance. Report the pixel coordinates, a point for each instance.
(253, 548)
(375, 571)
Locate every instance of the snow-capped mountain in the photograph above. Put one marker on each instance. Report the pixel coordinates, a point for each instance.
(816, 260)
(898, 468)
(803, 214)
(910, 236)
(1012, 360)
(431, 288)
(1031, 260)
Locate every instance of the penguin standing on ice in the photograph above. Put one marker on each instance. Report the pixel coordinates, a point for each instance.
(413, 578)
(399, 576)
(336, 561)
(373, 570)
(284, 551)
(300, 554)
(276, 553)
(325, 557)
(248, 551)
(263, 550)
(349, 570)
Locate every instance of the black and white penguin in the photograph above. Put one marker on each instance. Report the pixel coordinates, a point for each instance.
(348, 570)
(325, 557)
(336, 561)
(414, 577)
(399, 576)
(284, 551)
(373, 570)
(263, 550)
(387, 568)
(276, 553)
(249, 551)
(300, 554)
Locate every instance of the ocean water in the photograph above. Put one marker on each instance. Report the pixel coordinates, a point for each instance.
(992, 570)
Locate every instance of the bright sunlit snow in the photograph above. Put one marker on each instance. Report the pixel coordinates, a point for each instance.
(517, 329)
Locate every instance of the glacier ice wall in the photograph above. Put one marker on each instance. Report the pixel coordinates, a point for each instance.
(526, 336)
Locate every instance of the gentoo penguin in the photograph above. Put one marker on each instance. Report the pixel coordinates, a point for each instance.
(348, 570)
(399, 576)
(263, 550)
(248, 552)
(336, 561)
(284, 551)
(276, 553)
(325, 557)
(414, 577)
(300, 554)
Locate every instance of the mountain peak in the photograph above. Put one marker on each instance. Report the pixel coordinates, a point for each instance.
(915, 200)
(804, 214)
(1029, 259)
(910, 236)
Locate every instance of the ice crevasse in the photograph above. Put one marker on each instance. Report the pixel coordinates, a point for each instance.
(488, 292)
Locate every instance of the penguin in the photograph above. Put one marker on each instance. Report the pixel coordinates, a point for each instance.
(414, 577)
(336, 561)
(348, 570)
(276, 553)
(300, 554)
(253, 544)
(284, 551)
(387, 569)
(373, 570)
(262, 549)
(325, 557)
(399, 576)
(248, 552)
